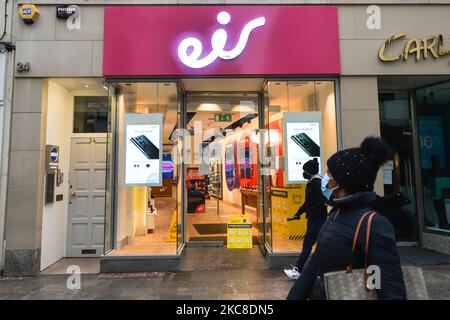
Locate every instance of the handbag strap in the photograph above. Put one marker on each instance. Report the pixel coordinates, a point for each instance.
(355, 238)
(368, 231)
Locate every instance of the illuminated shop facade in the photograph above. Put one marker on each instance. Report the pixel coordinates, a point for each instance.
(188, 125)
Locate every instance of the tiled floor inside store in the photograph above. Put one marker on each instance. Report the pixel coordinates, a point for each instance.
(158, 243)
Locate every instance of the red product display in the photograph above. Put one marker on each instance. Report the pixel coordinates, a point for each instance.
(196, 191)
(247, 162)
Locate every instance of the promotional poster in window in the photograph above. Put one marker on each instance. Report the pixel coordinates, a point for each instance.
(303, 143)
(143, 152)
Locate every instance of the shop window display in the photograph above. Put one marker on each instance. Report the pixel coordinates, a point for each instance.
(310, 109)
(148, 198)
(217, 162)
(433, 112)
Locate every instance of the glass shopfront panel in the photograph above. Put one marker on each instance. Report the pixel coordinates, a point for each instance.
(110, 171)
(433, 118)
(148, 173)
(219, 157)
(221, 167)
(299, 116)
(398, 172)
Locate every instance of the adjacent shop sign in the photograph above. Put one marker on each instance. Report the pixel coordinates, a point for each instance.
(220, 40)
(429, 46)
(65, 11)
(303, 142)
(143, 149)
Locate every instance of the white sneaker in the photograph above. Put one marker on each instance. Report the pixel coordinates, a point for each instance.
(293, 273)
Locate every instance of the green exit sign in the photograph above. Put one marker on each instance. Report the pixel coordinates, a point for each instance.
(223, 117)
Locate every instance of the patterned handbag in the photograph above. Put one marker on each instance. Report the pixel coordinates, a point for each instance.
(352, 284)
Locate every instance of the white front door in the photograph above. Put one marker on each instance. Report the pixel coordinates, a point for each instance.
(85, 232)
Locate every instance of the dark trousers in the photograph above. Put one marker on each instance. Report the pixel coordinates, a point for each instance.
(312, 232)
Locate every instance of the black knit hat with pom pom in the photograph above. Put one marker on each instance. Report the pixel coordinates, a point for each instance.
(312, 166)
(355, 169)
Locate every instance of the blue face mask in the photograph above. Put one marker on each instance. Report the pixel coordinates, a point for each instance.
(327, 192)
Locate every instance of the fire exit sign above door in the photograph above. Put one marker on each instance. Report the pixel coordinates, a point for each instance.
(226, 117)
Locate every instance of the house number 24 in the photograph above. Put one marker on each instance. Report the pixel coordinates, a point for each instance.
(22, 67)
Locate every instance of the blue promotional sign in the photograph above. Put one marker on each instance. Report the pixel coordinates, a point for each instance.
(431, 136)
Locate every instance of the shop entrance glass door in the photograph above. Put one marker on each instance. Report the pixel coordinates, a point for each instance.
(221, 163)
(399, 175)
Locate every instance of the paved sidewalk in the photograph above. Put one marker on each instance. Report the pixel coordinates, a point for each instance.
(222, 281)
(205, 284)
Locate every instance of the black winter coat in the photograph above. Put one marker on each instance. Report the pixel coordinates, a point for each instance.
(334, 247)
(314, 204)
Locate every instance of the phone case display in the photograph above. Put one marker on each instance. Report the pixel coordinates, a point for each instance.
(230, 166)
(215, 179)
(196, 186)
(247, 162)
(285, 203)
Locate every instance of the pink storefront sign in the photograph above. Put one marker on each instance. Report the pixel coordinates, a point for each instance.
(220, 40)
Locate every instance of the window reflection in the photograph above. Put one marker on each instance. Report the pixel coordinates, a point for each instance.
(292, 96)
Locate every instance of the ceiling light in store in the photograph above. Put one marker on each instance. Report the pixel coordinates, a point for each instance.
(86, 86)
(243, 108)
(209, 107)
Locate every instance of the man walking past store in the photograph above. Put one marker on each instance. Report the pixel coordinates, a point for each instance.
(316, 214)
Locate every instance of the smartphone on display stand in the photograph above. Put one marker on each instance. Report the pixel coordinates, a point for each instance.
(307, 144)
(146, 147)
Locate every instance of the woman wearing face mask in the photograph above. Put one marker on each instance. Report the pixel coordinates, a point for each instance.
(316, 214)
(348, 186)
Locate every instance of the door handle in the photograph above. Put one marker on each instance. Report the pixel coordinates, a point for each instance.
(73, 194)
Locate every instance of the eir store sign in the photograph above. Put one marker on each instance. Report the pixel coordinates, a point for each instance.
(220, 40)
